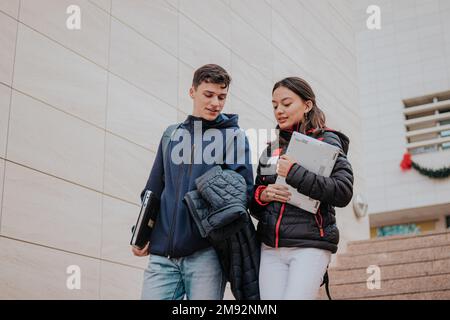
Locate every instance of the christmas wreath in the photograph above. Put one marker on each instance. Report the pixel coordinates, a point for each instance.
(407, 164)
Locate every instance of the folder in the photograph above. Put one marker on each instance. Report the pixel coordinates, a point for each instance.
(142, 231)
(314, 155)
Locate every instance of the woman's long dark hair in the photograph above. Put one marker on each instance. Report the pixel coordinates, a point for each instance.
(315, 118)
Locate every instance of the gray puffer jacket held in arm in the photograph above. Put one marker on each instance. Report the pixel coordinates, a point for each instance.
(219, 209)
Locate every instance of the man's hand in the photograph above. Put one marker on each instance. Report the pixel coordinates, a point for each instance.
(284, 164)
(141, 253)
(275, 192)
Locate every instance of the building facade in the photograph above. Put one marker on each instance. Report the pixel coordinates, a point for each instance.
(404, 72)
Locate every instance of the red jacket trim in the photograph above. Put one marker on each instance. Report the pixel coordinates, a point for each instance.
(258, 192)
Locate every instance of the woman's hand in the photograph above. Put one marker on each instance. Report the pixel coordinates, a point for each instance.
(284, 164)
(142, 252)
(275, 192)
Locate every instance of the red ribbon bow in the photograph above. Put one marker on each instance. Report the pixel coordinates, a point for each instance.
(406, 163)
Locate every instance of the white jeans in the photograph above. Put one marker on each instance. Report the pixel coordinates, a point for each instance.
(291, 273)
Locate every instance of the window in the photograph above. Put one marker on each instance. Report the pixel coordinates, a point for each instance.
(406, 228)
(427, 122)
(447, 219)
(425, 149)
(445, 133)
(400, 229)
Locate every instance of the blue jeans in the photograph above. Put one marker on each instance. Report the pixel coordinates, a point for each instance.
(198, 277)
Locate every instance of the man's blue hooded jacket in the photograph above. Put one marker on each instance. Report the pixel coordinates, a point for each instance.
(175, 233)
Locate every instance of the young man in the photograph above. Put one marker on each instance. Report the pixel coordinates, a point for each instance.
(182, 263)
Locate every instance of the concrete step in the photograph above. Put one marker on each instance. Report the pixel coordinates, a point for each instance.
(433, 295)
(398, 243)
(411, 267)
(390, 272)
(349, 261)
(421, 286)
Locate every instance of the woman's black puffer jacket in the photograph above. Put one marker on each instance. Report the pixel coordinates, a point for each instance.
(284, 225)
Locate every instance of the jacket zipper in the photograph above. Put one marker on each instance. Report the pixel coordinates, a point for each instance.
(192, 159)
(174, 216)
(319, 224)
(277, 228)
(169, 246)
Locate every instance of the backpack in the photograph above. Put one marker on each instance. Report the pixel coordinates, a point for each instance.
(167, 136)
(326, 282)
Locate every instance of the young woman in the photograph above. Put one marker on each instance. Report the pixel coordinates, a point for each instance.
(296, 244)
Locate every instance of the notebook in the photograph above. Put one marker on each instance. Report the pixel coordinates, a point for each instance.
(315, 156)
(142, 231)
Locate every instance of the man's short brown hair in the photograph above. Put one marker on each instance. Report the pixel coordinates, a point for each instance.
(211, 73)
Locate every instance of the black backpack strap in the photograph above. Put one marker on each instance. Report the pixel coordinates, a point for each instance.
(326, 282)
(165, 140)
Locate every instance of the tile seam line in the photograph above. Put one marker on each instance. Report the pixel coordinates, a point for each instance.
(353, 83)
(58, 109)
(69, 181)
(439, 274)
(70, 252)
(9, 114)
(97, 65)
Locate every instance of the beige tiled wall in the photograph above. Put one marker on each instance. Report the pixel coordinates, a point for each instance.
(185, 73)
(126, 168)
(82, 112)
(10, 7)
(149, 18)
(45, 210)
(251, 46)
(2, 171)
(102, 4)
(90, 42)
(197, 47)
(5, 97)
(8, 40)
(46, 139)
(71, 84)
(251, 87)
(259, 22)
(30, 271)
(117, 218)
(130, 52)
(119, 282)
(215, 18)
(129, 110)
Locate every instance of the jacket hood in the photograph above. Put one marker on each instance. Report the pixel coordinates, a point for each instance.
(345, 141)
(223, 121)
